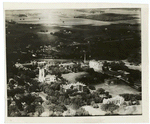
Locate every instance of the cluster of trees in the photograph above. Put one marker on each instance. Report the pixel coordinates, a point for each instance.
(58, 99)
(23, 79)
(21, 100)
(50, 88)
(29, 73)
(20, 71)
(23, 82)
(13, 92)
(25, 105)
(114, 66)
(102, 91)
(135, 56)
(109, 107)
(91, 87)
(132, 97)
(58, 70)
(57, 108)
(92, 78)
(82, 112)
(134, 76)
(94, 104)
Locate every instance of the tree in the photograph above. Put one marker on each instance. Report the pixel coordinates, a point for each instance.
(107, 93)
(56, 94)
(15, 114)
(92, 87)
(55, 86)
(61, 98)
(47, 90)
(76, 102)
(95, 106)
(132, 97)
(92, 103)
(21, 80)
(86, 90)
(30, 108)
(39, 109)
(105, 63)
(13, 109)
(52, 107)
(53, 99)
(82, 112)
(12, 81)
(39, 99)
(98, 99)
(100, 90)
(50, 92)
(67, 101)
(109, 107)
(91, 70)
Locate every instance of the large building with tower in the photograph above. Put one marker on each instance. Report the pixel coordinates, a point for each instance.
(46, 78)
(42, 76)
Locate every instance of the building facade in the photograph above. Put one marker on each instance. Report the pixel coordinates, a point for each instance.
(41, 74)
(46, 78)
(50, 78)
(96, 65)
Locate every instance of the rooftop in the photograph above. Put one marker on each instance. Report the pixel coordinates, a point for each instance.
(68, 86)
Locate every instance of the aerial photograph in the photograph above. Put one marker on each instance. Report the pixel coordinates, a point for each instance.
(73, 62)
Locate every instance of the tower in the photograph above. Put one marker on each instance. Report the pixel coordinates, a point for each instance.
(41, 75)
(84, 57)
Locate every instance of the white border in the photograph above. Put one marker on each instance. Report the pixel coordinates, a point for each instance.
(107, 119)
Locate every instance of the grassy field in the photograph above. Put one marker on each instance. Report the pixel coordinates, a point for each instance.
(115, 90)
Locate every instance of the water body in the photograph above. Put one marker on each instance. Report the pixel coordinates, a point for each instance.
(62, 17)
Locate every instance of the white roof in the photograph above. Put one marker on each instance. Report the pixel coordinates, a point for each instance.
(49, 76)
(72, 84)
(41, 62)
(71, 63)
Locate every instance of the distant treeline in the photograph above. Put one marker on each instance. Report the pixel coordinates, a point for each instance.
(108, 17)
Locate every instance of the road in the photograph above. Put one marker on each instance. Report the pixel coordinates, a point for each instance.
(46, 112)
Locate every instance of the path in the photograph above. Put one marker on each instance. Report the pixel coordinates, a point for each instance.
(46, 112)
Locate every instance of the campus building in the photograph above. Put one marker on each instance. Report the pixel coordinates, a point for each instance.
(50, 78)
(96, 65)
(46, 78)
(79, 86)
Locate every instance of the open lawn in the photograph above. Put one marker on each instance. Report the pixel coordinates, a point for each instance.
(71, 77)
(117, 89)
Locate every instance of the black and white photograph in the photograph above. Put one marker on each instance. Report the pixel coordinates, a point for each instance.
(73, 62)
